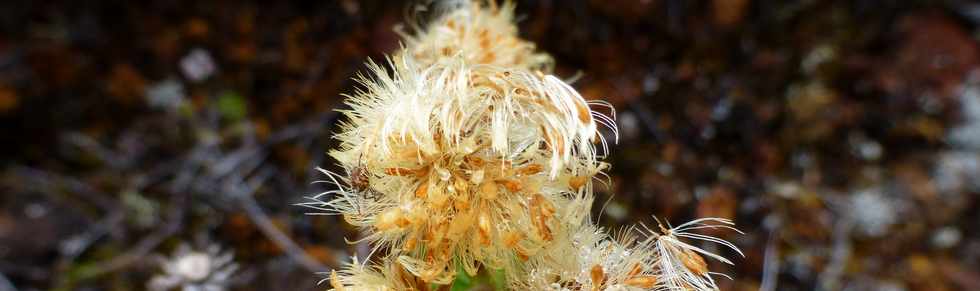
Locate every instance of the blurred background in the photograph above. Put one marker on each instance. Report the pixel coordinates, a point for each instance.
(843, 137)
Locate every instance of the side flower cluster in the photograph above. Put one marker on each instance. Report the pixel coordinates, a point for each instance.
(463, 149)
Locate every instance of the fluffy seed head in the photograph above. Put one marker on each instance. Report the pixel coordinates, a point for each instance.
(451, 157)
(478, 34)
(463, 150)
(589, 259)
(637, 259)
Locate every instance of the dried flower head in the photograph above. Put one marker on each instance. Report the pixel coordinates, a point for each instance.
(478, 34)
(475, 164)
(462, 150)
(191, 270)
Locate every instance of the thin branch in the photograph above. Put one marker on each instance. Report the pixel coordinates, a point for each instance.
(5, 284)
(77, 244)
(646, 117)
(87, 143)
(47, 182)
(148, 243)
(771, 263)
(829, 279)
(265, 225)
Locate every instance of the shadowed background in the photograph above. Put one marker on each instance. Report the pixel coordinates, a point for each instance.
(843, 137)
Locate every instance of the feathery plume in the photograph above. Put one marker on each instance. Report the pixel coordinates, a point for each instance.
(680, 264)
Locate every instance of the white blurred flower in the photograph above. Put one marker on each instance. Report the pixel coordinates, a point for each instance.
(191, 270)
(957, 171)
(198, 65)
(167, 94)
(873, 213)
(967, 135)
